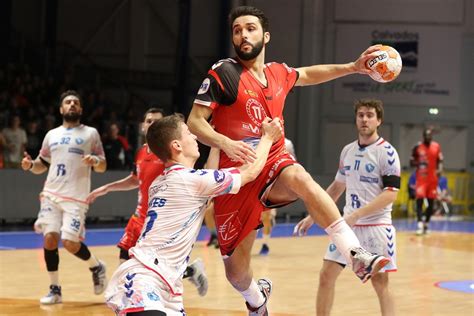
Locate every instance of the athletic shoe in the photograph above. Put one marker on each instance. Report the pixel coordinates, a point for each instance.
(54, 296)
(426, 229)
(199, 278)
(420, 229)
(366, 264)
(265, 285)
(265, 250)
(99, 278)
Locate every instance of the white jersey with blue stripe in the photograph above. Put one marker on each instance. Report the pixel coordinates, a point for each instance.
(63, 148)
(362, 169)
(176, 207)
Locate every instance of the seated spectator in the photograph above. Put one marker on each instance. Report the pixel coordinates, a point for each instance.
(443, 201)
(15, 137)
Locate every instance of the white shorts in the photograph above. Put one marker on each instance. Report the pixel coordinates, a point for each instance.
(135, 288)
(378, 239)
(63, 217)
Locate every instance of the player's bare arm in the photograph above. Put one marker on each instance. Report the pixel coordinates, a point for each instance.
(382, 200)
(98, 163)
(199, 126)
(335, 190)
(126, 184)
(317, 74)
(35, 166)
(272, 131)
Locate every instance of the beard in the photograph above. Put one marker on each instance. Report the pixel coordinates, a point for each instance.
(256, 49)
(72, 117)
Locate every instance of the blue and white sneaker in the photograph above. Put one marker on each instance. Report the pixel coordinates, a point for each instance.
(53, 297)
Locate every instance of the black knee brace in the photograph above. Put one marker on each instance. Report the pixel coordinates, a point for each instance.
(83, 252)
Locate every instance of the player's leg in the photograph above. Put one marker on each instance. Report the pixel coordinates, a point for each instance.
(431, 196)
(381, 287)
(294, 182)
(49, 224)
(147, 313)
(267, 221)
(71, 232)
(327, 285)
(240, 275)
(420, 196)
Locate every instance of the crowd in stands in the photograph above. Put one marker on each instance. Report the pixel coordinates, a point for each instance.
(29, 109)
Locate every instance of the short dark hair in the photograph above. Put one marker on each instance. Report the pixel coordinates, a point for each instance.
(161, 133)
(247, 10)
(68, 93)
(371, 104)
(154, 110)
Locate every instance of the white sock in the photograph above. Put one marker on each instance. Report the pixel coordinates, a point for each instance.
(93, 262)
(266, 238)
(253, 295)
(54, 277)
(343, 237)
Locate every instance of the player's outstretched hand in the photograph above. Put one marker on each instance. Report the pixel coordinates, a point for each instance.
(301, 229)
(360, 63)
(91, 160)
(96, 193)
(239, 151)
(26, 162)
(272, 128)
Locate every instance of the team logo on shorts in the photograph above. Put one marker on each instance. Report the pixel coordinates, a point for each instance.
(369, 167)
(204, 86)
(255, 111)
(332, 247)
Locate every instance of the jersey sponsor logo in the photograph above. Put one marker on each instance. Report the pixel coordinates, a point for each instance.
(61, 169)
(368, 179)
(251, 93)
(204, 86)
(79, 141)
(153, 296)
(251, 128)
(255, 111)
(369, 167)
(219, 176)
(74, 150)
(157, 188)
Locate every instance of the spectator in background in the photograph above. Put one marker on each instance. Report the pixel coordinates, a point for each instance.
(15, 137)
(3, 144)
(444, 198)
(116, 148)
(428, 160)
(35, 137)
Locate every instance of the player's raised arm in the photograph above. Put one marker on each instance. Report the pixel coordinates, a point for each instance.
(317, 74)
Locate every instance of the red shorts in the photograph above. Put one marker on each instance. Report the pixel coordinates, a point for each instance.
(131, 234)
(426, 188)
(236, 215)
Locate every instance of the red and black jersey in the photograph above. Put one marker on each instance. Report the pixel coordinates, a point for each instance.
(427, 159)
(147, 168)
(240, 102)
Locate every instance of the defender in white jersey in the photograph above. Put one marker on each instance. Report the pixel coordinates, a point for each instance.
(69, 152)
(369, 172)
(150, 283)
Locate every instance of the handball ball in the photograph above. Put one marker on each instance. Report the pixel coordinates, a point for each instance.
(386, 66)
